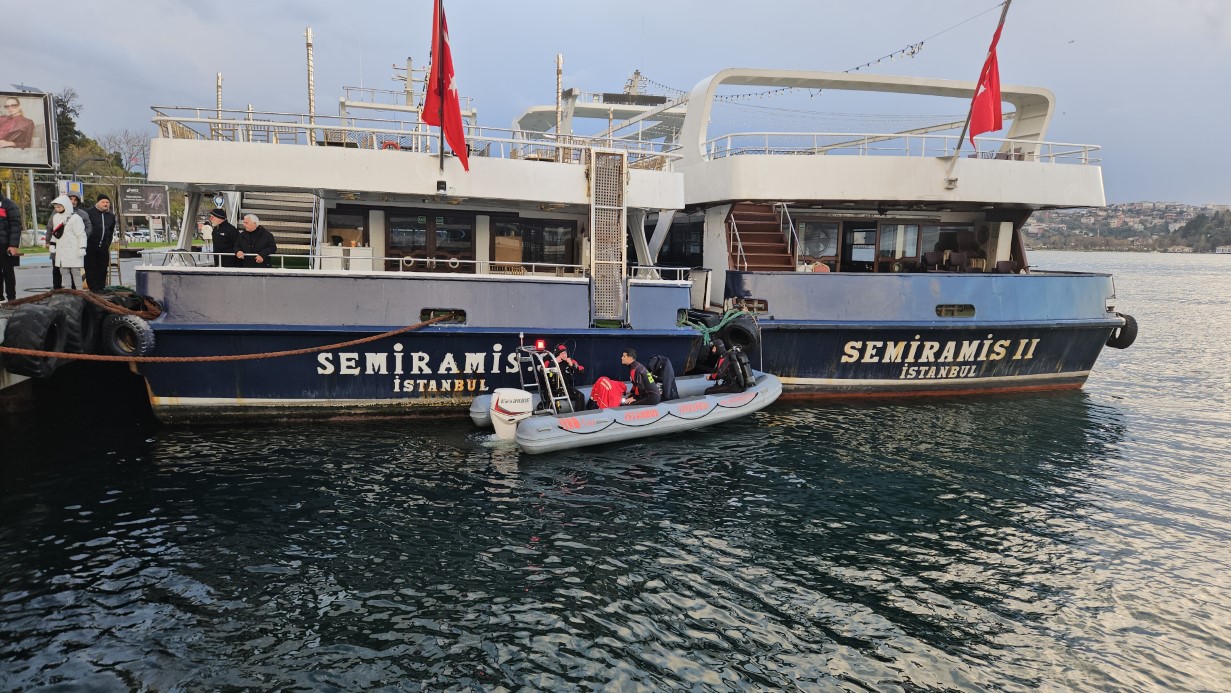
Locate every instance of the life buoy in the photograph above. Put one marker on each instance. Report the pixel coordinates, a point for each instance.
(1123, 337)
(390, 145)
(408, 263)
(34, 326)
(127, 335)
(454, 263)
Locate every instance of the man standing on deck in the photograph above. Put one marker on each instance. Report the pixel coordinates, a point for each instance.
(645, 390)
(256, 244)
(224, 238)
(98, 243)
(10, 242)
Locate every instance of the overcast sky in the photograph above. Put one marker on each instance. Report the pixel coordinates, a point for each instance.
(1145, 79)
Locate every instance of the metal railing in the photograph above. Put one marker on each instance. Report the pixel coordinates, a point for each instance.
(180, 122)
(792, 238)
(894, 144)
(171, 257)
(740, 257)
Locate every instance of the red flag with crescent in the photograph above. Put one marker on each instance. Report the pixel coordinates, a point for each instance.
(440, 106)
(985, 114)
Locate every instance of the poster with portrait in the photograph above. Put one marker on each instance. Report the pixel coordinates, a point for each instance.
(27, 131)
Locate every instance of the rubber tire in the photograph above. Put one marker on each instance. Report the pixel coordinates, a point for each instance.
(742, 332)
(1123, 337)
(35, 326)
(127, 335)
(81, 322)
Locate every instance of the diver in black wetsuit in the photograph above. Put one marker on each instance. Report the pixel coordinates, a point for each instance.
(728, 374)
(645, 390)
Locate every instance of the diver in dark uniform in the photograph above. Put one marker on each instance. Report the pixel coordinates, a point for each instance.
(645, 390)
(728, 374)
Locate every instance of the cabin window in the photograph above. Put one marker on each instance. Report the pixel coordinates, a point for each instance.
(899, 241)
(346, 227)
(548, 241)
(941, 238)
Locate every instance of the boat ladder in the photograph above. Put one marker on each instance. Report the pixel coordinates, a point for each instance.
(541, 373)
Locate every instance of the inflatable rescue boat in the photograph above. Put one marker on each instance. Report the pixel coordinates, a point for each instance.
(541, 416)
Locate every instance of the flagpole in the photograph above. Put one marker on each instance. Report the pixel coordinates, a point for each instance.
(440, 75)
(970, 109)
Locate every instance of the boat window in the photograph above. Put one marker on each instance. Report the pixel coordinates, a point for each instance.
(551, 241)
(955, 311)
(941, 237)
(455, 315)
(683, 247)
(346, 227)
(899, 241)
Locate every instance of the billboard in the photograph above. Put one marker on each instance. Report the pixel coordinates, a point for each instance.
(27, 131)
(144, 201)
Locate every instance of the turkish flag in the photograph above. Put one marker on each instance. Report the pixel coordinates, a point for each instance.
(442, 75)
(985, 115)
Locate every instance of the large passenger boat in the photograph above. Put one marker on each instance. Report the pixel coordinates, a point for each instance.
(885, 263)
(874, 263)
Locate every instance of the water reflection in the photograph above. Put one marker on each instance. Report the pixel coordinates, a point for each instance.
(943, 543)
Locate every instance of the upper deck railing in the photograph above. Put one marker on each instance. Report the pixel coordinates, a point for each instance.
(895, 144)
(180, 122)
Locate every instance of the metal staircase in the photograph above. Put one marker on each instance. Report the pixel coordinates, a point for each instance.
(288, 216)
(755, 240)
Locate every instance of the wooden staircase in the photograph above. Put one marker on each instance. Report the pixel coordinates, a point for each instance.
(288, 216)
(755, 228)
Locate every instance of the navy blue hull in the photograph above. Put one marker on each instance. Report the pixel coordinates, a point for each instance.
(829, 360)
(438, 367)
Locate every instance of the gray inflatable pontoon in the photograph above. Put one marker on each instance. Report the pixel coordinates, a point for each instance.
(546, 432)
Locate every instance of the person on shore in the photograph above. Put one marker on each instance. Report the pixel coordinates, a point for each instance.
(70, 239)
(225, 237)
(98, 243)
(10, 244)
(255, 243)
(16, 130)
(727, 374)
(644, 389)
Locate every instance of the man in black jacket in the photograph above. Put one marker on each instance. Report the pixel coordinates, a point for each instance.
(10, 242)
(98, 243)
(645, 390)
(225, 237)
(256, 244)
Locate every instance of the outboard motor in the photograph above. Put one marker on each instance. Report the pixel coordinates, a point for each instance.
(509, 407)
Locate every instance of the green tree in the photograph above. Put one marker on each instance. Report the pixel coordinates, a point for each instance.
(68, 109)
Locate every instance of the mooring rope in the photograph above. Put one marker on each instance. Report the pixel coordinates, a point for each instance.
(706, 330)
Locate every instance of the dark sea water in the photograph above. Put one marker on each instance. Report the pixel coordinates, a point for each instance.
(1074, 541)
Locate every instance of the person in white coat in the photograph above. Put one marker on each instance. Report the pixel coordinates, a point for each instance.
(70, 235)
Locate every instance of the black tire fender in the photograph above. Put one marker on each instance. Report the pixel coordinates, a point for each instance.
(127, 335)
(35, 326)
(1123, 337)
(742, 332)
(81, 322)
